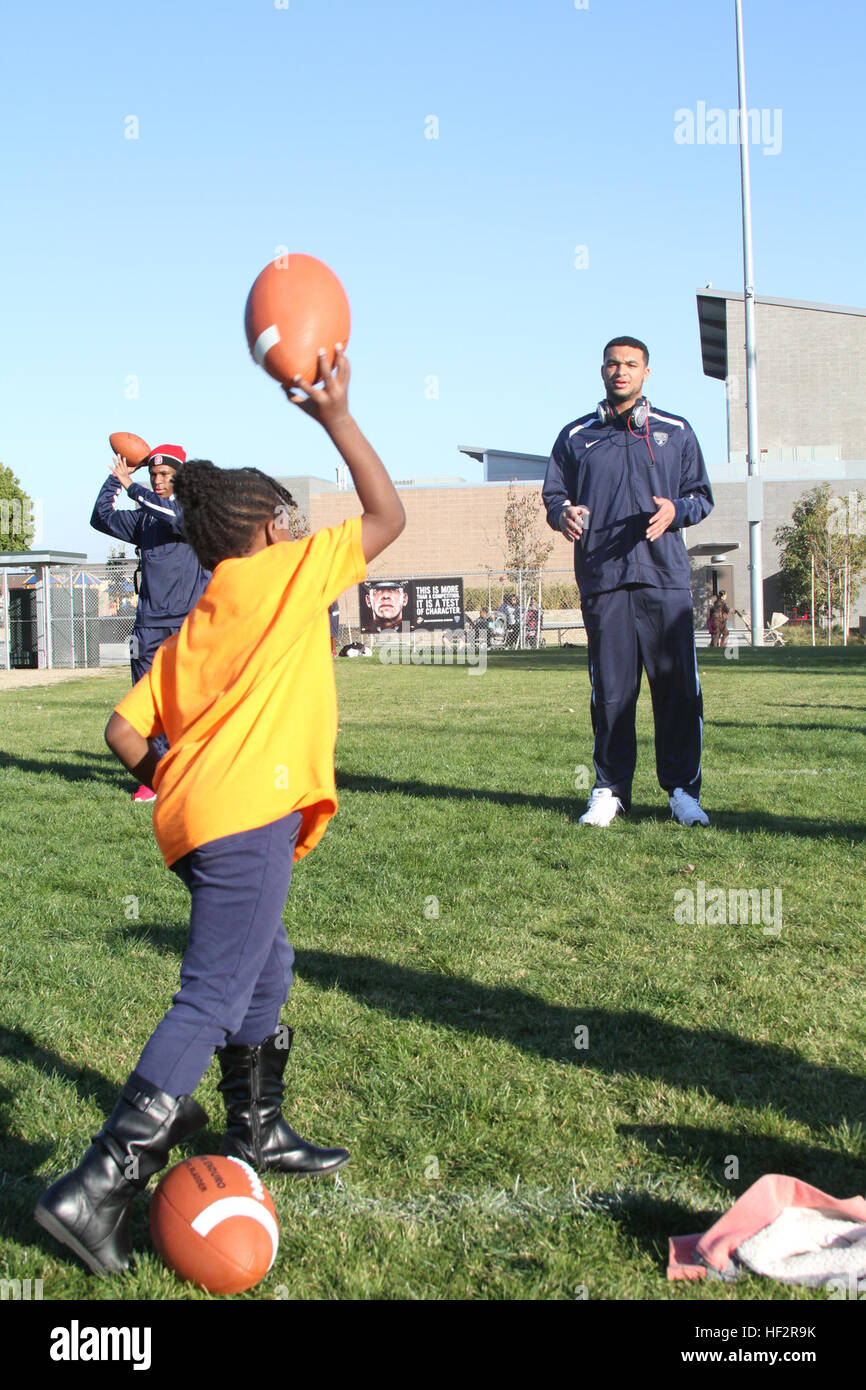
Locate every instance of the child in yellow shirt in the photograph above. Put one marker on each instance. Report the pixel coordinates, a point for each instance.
(245, 695)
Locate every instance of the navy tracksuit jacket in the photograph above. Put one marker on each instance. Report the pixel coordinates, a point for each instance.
(172, 580)
(635, 594)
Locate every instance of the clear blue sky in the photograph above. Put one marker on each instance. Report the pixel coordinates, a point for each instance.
(262, 127)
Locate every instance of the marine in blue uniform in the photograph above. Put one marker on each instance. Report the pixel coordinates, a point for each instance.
(621, 483)
(172, 580)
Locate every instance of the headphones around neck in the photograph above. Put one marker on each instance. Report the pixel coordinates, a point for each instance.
(636, 418)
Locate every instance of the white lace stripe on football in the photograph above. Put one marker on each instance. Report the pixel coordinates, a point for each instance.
(267, 339)
(253, 1178)
(227, 1207)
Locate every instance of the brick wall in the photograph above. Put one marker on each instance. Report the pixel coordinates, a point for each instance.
(460, 531)
(448, 530)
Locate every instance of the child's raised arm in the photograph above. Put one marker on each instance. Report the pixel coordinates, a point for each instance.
(383, 518)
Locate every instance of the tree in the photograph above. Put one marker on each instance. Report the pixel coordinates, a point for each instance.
(16, 513)
(525, 547)
(829, 531)
(299, 523)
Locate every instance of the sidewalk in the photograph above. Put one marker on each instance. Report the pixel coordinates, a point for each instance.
(16, 680)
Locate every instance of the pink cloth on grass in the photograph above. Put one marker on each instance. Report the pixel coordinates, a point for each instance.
(693, 1257)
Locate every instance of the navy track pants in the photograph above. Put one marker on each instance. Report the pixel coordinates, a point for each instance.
(630, 629)
(237, 968)
(143, 646)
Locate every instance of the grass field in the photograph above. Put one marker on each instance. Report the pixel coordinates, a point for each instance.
(542, 1069)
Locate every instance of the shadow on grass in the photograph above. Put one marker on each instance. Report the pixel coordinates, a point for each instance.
(572, 807)
(839, 1174)
(789, 725)
(792, 660)
(754, 822)
(820, 660)
(19, 1158)
(649, 1222)
(91, 768)
(733, 1069)
(166, 939)
(569, 806)
(20, 1046)
(790, 704)
(107, 771)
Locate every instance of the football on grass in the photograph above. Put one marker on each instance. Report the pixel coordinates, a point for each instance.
(214, 1223)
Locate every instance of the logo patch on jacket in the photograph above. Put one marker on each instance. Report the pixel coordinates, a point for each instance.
(660, 437)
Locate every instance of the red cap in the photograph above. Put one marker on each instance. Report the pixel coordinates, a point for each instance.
(171, 454)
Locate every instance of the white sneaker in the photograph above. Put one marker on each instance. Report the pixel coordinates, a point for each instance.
(687, 809)
(602, 807)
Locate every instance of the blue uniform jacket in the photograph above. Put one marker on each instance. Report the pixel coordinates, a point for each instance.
(172, 580)
(616, 473)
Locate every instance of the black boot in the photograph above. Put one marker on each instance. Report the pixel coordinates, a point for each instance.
(252, 1085)
(88, 1210)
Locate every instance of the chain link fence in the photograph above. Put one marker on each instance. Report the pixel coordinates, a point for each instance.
(509, 610)
(67, 616)
(83, 615)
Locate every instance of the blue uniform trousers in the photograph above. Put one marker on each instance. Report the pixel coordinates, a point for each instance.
(237, 967)
(629, 629)
(143, 646)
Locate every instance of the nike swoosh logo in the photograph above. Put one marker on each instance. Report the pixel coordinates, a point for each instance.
(593, 444)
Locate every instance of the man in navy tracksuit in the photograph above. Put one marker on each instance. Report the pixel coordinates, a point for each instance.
(621, 483)
(172, 580)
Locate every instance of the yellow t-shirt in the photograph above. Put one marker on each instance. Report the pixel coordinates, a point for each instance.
(245, 695)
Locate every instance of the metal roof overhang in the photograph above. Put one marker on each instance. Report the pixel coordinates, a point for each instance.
(708, 548)
(712, 318)
(15, 559)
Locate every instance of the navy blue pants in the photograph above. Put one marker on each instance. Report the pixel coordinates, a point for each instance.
(143, 645)
(630, 629)
(237, 968)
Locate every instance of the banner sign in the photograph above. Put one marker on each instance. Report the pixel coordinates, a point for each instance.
(437, 603)
(422, 604)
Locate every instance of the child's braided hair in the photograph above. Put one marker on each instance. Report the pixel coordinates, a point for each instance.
(223, 508)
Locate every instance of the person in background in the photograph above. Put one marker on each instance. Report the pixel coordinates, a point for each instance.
(172, 580)
(530, 625)
(719, 614)
(639, 476)
(483, 625)
(508, 608)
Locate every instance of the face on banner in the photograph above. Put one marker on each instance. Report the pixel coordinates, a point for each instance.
(383, 605)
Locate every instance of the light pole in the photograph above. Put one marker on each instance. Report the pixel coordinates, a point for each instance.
(754, 497)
